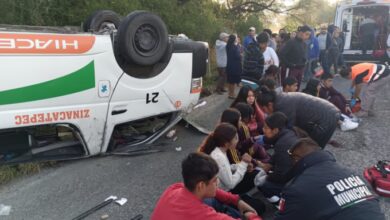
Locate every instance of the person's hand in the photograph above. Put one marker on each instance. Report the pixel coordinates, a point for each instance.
(247, 158)
(243, 207)
(250, 168)
(348, 110)
(353, 103)
(265, 166)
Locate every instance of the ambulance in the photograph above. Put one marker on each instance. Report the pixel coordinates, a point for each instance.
(120, 83)
(365, 24)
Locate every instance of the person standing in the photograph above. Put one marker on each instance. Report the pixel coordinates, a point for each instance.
(334, 51)
(250, 38)
(269, 54)
(220, 49)
(272, 40)
(367, 31)
(233, 66)
(313, 54)
(322, 189)
(293, 55)
(324, 41)
(253, 61)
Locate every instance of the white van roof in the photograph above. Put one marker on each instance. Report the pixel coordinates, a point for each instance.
(362, 2)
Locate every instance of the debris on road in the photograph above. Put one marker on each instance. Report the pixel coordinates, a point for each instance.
(121, 201)
(178, 149)
(105, 216)
(200, 104)
(171, 134)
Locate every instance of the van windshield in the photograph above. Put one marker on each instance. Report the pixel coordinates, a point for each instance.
(366, 27)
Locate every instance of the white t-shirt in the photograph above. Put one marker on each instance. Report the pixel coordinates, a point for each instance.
(270, 58)
(229, 175)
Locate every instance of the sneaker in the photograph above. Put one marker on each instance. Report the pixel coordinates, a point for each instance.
(361, 114)
(348, 125)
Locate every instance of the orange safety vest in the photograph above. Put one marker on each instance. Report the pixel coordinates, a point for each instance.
(361, 68)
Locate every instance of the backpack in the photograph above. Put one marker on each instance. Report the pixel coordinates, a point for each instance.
(379, 177)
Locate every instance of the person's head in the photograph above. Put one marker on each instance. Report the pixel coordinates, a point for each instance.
(269, 83)
(302, 148)
(293, 34)
(231, 116)
(304, 32)
(245, 110)
(266, 99)
(231, 42)
(274, 124)
(290, 84)
(323, 28)
(246, 94)
(271, 72)
(224, 136)
(223, 36)
(312, 87)
(262, 40)
(327, 80)
(282, 31)
(346, 72)
(252, 31)
(274, 35)
(199, 172)
(268, 31)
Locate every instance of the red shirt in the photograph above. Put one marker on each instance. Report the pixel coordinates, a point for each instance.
(177, 203)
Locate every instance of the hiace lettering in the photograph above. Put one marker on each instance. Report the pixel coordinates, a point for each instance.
(9, 43)
(52, 117)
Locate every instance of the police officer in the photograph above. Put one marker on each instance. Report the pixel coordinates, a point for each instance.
(322, 189)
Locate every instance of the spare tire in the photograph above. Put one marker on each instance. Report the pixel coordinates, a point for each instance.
(99, 20)
(142, 38)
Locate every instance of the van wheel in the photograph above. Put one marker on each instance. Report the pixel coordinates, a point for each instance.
(101, 20)
(143, 38)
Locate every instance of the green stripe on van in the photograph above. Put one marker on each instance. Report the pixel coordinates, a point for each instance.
(77, 81)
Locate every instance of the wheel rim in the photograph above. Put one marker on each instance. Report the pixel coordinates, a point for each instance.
(146, 40)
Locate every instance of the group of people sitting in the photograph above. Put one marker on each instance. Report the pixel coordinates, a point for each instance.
(270, 143)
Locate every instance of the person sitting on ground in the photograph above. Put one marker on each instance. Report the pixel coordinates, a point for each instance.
(322, 189)
(376, 77)
(185, 200)
(316, 116)
(290, 84)
(248, 143)
(312, 87)
(282, 138)
(247, 95)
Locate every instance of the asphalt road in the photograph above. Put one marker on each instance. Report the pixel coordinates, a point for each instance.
(71, 188)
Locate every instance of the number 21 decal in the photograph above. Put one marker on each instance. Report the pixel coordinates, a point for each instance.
(152, 97)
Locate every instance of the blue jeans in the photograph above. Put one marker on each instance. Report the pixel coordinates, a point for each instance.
(222, 208)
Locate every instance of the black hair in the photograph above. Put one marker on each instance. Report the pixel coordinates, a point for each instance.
(224, 133)
(305, 143)
(268, 31)
(242, 95)
(231, 116)
(262, 38)
(326, 76)
(272, 70)
(304, 28)
(289, 81)
(285, 37)
(274, 35)
(345, 71)
(311, 87)
(230, 42)
(276, 120)
(269, 83)
(198, 167)
(265, 96)
(245, 109)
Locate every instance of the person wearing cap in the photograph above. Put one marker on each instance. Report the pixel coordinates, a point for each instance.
(374, 76)
(220, 49)
(324, 42)
(251, 37)
(322, 189)
(293, 55)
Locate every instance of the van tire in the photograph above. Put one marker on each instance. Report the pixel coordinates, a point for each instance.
(97, 20)
(142, 38)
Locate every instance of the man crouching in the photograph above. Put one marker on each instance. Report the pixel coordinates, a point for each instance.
(187, 200)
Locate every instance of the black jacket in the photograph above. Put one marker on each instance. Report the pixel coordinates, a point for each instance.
(280, 160)
(294, 53)
(253, 61)
(314, 115)
(321, 189)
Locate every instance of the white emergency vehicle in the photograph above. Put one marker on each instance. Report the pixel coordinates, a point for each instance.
(365, 24)
(120, 83)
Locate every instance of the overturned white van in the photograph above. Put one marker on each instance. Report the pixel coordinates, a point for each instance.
(120, 83)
